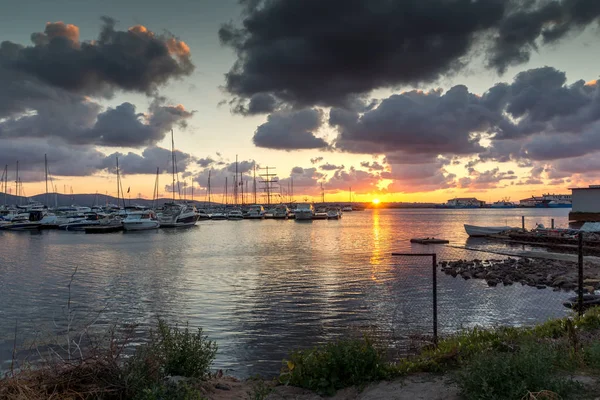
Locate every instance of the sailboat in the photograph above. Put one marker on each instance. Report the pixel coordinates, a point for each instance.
(175, 215)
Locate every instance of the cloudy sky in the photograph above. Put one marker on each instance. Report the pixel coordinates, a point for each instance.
(412, 100)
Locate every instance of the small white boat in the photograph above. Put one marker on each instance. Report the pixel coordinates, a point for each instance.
(479, 231)
(235, 215)
(175, 215)
(334, 213)
(304, 212)
(218, 215)
(202, 214)
(255, 212)
(90, 219)
(141, 221)
(281, 212)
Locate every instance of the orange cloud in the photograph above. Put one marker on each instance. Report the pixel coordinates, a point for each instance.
(592, 83)
(140, 30)
(178, 47)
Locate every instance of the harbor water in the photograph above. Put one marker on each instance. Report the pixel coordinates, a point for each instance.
(263, 288)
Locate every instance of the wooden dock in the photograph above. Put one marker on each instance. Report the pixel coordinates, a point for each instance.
(429, 241)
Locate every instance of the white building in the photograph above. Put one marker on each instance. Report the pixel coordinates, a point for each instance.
(470, 202)
(586, 204)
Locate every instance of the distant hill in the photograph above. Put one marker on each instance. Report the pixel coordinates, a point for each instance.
(57, 200)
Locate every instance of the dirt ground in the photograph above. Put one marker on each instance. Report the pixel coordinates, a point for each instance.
(414, 387)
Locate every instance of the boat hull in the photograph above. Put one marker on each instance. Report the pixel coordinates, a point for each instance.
(303, 215)
(481, 231)
(140, 225)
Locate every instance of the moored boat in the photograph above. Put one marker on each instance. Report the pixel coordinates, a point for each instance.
(255, 212)
(175, 215)
(141, 221)
(235, 215)
(304, 212)
(334, 213)
(480, 231)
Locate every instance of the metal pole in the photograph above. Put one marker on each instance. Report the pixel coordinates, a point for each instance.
(435, 312)
(552, 223)
(434, 284)
(523, 222)
(580, 283)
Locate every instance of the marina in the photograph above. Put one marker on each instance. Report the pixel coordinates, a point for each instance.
(260, 287)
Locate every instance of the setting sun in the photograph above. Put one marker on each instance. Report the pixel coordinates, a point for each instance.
(376, 201)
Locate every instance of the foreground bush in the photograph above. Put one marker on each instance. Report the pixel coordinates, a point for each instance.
(105, 373)
(512, 375)
(325, 369)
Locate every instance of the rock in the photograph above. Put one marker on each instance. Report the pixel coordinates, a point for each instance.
(507, 282)
(176, 379)
(466, 275)
(539, 286)
(222, 386)
(589, 289)
(480, 275)
(568, 286)
(492, 282)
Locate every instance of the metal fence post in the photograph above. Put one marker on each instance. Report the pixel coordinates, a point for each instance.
(435, 312)
(580, 280)
(523, 222)
(434, 277)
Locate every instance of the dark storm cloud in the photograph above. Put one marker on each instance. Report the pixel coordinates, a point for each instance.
(291, 130)
(418, 123)
(318, 52)
(219, 175)
(63, 159)
(205, 162)
(46, 87)
(485, 180)
(147, 163)
(133, 60)
(80, 121)
(330, 167)
(372, 166)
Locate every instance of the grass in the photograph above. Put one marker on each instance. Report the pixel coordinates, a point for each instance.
(486, 363)
(490, 364)
(327, 368)
(106, 373)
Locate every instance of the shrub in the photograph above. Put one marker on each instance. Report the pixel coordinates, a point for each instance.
(170, 351)
(325, 369)
(591, 356)
(495, 375)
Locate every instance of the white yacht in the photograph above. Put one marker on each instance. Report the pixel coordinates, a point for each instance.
(140, 221)
(202, 214)
(235, 214)
(176, 215)
(347, 208)
(24, 221)
(255, 212)
(304, 212)
(334, 213)
(281, 212)
(79, 224)
(218, 214)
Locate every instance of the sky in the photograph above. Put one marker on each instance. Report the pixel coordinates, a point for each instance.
(413, 101)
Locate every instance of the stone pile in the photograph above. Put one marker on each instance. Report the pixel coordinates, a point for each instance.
(533, 272)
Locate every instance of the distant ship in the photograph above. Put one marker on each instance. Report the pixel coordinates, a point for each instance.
(504, 203)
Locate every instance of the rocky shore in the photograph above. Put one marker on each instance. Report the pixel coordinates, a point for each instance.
(560, 275)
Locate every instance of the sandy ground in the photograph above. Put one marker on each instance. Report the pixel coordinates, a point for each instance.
(414, 387)
(417, 387)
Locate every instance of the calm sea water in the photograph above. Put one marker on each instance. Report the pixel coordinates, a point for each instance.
(262, 288)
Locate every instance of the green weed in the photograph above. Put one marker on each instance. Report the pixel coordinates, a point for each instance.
(325, 369)
(495, 375)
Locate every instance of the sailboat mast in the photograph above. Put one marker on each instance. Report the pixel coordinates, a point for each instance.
(254, 187)
(17, 182)
(173, 162)
(46, 173)
(225, 190)
(322, 194)
(155, 193)
(235, 182)
(5, 182)
(118, 185)
(209, 187)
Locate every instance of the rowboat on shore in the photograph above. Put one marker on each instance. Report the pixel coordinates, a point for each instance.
(480, 231)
